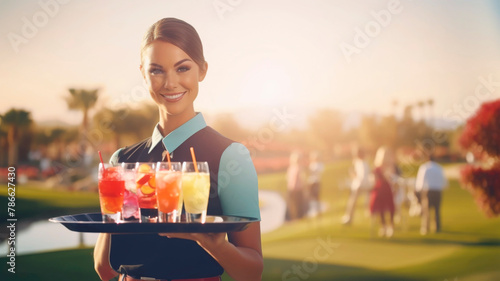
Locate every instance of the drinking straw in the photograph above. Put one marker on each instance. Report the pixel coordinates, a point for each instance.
(168, 159)
(194, 159)
(102, 162)
(100, 157)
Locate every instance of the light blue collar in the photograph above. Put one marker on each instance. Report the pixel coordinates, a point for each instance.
(179, 135)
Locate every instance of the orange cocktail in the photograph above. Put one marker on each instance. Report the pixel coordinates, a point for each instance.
(146, 191)
(111, 189)
(169, 191)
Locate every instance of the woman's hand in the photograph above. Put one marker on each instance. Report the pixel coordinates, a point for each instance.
(208, 241)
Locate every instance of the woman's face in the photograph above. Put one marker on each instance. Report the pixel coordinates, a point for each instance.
(172, 78)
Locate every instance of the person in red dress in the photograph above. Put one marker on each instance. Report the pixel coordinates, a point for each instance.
(381, 197)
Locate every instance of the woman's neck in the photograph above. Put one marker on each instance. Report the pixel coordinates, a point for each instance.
(169, 123)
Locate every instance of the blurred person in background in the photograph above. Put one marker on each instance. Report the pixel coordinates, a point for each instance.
(399, 190)
(315, 170)
(296, 183)
(429, 184)
(381, 197)
(360, 183)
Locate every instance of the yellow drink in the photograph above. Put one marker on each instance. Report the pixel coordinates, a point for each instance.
(196, 190)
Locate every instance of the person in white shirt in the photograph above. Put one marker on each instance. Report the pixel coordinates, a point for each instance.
(360, 183)
(429, 184)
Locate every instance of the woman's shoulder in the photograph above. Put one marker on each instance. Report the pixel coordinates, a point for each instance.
(127, 151)
(209, 131)
(210, 138)
(139, 145)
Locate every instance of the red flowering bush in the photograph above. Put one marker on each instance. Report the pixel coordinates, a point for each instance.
(482, 130)
(481, 135)
(484, 184)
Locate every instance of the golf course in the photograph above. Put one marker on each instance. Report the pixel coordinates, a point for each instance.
(316, 248)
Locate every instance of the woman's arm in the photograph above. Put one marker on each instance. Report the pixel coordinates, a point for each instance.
(101, 257)
(249, 264)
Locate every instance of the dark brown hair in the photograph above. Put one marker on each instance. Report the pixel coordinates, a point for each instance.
(178, 33)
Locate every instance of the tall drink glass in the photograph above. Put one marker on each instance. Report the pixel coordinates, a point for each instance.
(111, 189)
(169, 191)
(196, 190)
(146, 191)
(130, 199)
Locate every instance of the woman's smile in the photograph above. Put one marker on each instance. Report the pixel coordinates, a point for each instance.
(173, 97)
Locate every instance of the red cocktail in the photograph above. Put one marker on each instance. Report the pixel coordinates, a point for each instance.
(111, 189)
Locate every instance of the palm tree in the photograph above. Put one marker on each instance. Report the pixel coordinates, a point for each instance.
(15, 121)
(52, 137)
(421, 105)
(408, 112)
(115, 121)
(395, 104)
(133, 123)
(84, 100)
(430, 103)
(3, 145)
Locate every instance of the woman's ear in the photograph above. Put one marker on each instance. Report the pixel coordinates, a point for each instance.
(203, 72)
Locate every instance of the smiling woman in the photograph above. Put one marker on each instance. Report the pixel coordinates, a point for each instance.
(172, 65)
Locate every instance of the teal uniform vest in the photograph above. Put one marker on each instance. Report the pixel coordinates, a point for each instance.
(154, 256)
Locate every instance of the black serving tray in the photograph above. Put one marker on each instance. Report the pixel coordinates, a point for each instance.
(92, 222)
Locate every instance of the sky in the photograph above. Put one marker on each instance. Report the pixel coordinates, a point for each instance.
(265, 57)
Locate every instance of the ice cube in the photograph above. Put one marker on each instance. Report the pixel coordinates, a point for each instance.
(130, 205)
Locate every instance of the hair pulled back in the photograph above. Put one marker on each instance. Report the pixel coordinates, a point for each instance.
(178, 33)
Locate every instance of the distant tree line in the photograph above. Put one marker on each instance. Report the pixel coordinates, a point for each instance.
(107, 129)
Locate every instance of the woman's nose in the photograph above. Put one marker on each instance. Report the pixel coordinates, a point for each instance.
(170, 82)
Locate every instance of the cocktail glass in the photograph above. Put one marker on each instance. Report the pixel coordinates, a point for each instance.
(169, 191)
(111, 190)
(196, 190)
(146, 191)
(130, 198)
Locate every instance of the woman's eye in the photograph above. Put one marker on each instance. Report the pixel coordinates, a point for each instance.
(182, 69)
(155, 71)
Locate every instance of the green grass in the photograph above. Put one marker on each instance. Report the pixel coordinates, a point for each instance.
(36, 203)
(467, 249)
(61, 265)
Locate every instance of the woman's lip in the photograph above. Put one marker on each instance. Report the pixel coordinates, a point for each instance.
(173, 97)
